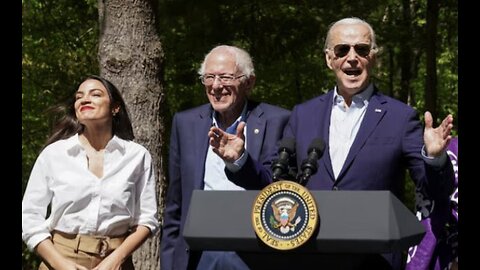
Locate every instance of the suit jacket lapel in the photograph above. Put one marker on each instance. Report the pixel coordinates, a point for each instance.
(375, 112)
(200, 128)
(327, 100)
(255, 129)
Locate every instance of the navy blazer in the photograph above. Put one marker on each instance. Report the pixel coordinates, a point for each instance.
(187, 154)
(388, 142)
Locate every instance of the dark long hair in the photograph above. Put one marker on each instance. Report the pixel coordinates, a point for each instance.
(68, 125)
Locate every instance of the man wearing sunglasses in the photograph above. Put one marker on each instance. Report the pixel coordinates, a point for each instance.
(227, 74)
(371, 139)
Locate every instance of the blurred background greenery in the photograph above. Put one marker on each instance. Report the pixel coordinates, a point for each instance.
(285, 39)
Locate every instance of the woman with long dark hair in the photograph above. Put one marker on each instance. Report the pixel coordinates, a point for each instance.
(99, 184)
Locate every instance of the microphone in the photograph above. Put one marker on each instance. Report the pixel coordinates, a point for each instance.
(285, 150)
(309, 165)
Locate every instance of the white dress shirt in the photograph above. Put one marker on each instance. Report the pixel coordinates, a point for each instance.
(82, 203)
(215, 177)
(344, 125)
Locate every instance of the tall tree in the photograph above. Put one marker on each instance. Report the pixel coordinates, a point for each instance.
(431, 52)
(285, 39)
(405, 55)
(131, 56)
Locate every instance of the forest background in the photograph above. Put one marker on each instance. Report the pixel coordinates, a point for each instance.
(64, 40)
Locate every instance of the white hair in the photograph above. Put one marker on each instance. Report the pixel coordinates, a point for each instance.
(243, 61)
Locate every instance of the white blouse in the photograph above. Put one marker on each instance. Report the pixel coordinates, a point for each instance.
(82, 203)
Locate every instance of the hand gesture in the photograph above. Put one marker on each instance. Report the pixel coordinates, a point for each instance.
(436, 139)
(229, 147)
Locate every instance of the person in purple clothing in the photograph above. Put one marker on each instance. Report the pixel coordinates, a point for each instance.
(371, 139)
(438, 249)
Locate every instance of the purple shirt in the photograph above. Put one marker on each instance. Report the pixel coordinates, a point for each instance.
(439, 247)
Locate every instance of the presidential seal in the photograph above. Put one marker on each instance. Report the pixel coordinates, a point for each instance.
(284, 215)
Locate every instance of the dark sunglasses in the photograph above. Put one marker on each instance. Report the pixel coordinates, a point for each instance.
(362, 49)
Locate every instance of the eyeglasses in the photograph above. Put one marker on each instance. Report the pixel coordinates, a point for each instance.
(362, 49)
(225, 79)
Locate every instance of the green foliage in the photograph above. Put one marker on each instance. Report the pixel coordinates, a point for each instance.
(285, 39)
(59, 46)
(29, 260)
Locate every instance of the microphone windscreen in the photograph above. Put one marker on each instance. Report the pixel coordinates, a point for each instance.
(287, 144)
(317, 144)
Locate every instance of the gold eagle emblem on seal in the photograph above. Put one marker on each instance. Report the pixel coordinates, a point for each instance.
(284, 215)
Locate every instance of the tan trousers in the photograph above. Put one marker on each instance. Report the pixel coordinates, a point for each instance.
(86, 250)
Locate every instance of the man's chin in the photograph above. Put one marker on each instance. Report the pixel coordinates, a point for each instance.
(354, 86)
(220, 106)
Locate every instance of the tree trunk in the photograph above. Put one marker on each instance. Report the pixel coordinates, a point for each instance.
(131, 56)
(391, 71)
(431, 49)
(405, 53)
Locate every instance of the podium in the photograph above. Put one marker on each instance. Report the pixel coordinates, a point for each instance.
(354, 228)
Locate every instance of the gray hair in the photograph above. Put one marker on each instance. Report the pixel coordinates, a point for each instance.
(243, 61)
(351, 21)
